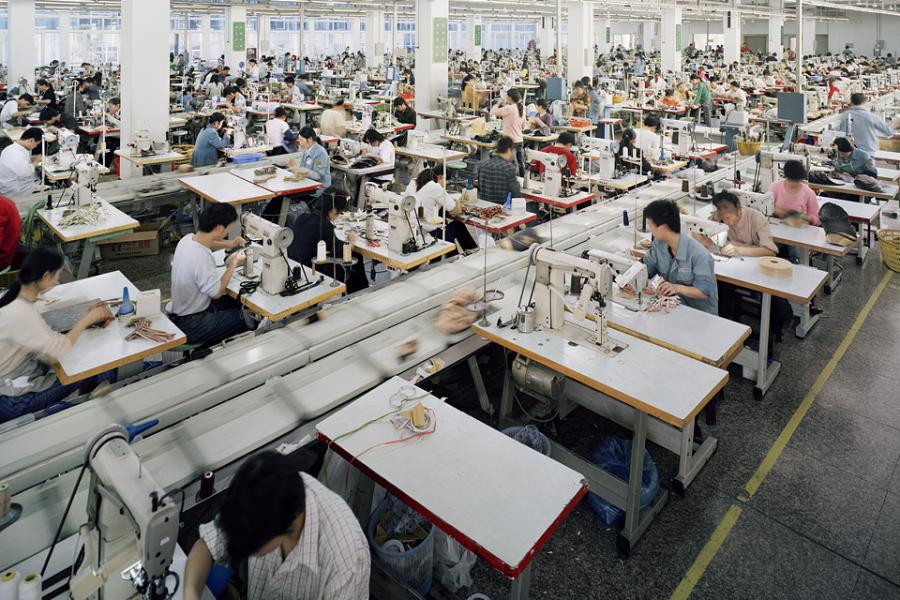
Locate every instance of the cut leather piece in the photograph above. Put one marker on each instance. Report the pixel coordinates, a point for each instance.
(868, 183)
(837, 226)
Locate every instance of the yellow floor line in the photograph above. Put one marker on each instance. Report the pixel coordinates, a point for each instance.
(709, 551)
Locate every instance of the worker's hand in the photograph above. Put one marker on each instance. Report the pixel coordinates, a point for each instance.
(668, 289)
(629, 289)
(99, 314)
(729, 250)
(237, 242)
(236, 260)
(351, 237)
(704, 240)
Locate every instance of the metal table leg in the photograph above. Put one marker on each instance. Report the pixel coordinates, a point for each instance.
(520, 585)
(506, 401)
(195, 213)
(802, 310)
(87, 258)
(283, 213)
(479, 385)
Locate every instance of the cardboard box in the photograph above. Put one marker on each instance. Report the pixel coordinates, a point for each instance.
(143, 241)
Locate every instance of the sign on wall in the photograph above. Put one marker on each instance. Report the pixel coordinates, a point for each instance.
(238, 36)
(439, 40)
(478, 35)
(678, 37)
(609, 35)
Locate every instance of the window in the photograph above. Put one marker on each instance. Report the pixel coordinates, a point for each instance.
(217, 22)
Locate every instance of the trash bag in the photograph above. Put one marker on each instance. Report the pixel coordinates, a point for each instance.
(412, 563)
(614, 455)
(530, 436)
(452, 562)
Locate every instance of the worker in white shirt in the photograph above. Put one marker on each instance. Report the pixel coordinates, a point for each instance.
(334, 120)
(236, 103)
(279, 134)
(300, 539)
(17, 164)
(736, 95)
(647, 138)
(380, 148)
(14, 110)
(252, 70)
(437, 209)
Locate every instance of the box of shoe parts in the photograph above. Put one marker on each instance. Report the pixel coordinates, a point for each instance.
(143, 241)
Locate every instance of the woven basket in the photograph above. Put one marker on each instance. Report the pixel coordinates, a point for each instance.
(747, 148)
(889, 242)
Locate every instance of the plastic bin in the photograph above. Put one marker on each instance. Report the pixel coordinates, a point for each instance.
(242, 159)
(413, 567)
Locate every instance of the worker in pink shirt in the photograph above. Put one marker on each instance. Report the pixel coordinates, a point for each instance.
(512, 113)
(792, 196)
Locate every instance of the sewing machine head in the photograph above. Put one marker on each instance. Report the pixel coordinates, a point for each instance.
(416, 139)
(717, 232)
(273, 238)
(764, 203)
(141, 145)
(677, 125)
(405, 233)
(628, 271)
(349, 148)
(447, 106)
(603, 146)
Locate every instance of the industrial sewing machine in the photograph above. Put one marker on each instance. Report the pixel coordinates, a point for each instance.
(132, 528)
(273, 242)
(349, 149)
(447, 106)
(770, 165)
(682, 134)
(553, 171)
(416, 139)
(405, 232)
(764, 203)
(87, 175)
(142, 145)
(627, 271)
(599, 155)
(717, 232)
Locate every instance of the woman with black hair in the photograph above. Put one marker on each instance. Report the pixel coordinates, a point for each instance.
(435, 207)
(28, 346)
(382, 149)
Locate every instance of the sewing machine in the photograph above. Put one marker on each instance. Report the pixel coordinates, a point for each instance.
(273, 244)
(606, 149)
(132, 528)
(68, 150)
(764, 203)
(769, 166)
(142, 145)
(405, 233)
(553, 168)
(349, 149)
(416, 139)
(627, 271)
(548, 301)
(447, 106)
(682, 134)
(717, 232)
(87, 175)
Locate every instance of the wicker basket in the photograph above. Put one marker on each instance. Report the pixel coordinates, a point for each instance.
(747, 148)
(889, 242)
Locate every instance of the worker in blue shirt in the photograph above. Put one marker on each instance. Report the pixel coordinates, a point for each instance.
(686, 266)
(210, 141)
(853, 160)
(314, 158)
(863, 125)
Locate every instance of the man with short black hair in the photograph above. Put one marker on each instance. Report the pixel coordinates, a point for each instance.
(863, 125)
(702, 99)
(687, 268)
(404, 113)
(14, 110)
(47, 95)
(301, 540)
(853, 160)
(279, 135)
(17, 164)
(199, 305)
(497, 176)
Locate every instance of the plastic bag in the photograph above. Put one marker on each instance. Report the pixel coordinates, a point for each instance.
(415, 566)
(452, 562)
(614, 456)
(530, 436)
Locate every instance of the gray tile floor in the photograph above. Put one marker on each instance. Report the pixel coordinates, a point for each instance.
(824, 524)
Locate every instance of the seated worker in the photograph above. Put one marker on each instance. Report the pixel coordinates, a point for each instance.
(301, 540)
(749, 234)
(497, 176)
(46, 94)
(404, 112)
(215, 88)
(236, 103)
(51, 119)
(114, 112)
(378, 147)
(579, 100)
(305, 86)
(188, 101)
(628, 148)
(10, 232)
(736, 94)
(563, 146)
(279, 134)
(17, 164)
(684, 264)
(647, 138)
(213, 138)
(28, 347)
(543, 120)
(435, 206)
(311, 228)
(669, 99)
(334, 120)
(472, 99)
(792, 196)
(199, 305)
(854, 161)
(314, 161)
(14, 110)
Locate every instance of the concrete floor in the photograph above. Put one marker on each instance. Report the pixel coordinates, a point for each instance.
(825, 522)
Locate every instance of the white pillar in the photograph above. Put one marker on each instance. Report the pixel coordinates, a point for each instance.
(355, 34)
(395, 37)
(65, 37)
(604, 35)
(474, 33)
(581, 40)
(262, 35)
(670, 41)
(648, 40)
(301, 38)
(731, 26)
(432, 68)
(775, 42)
(374, 38)
(808, 39)
(547, 38)
(145, 72)
(205, 46)
(21, 41)
(235, 37)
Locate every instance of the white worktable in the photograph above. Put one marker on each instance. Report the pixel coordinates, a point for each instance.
(809, 237)
(147, 161)
(99, 350)
(801, 286)
(859, 212)
(276, 308)
(496, 225)
(225, 188)
(626, 182)
(431, 152)
(535, 194)
(889, 193)
(887, 157)
(232, 152)
(381, 253)
(277, 184)
(471, 480)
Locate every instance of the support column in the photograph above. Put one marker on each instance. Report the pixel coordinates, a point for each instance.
(731, 26)
(374, 38)
(263, 29)
(65, 37)
(301, 36)
(205, 53)
(808, 39)
(145, 73)
(648, 37)
(670, 42)
(21, 42)
(775, 41)
(395, 37)
(604, 35)
(235, 36)
(581, 40)
(355, 34)
(547, 37)
(474, 31)
(432, 39)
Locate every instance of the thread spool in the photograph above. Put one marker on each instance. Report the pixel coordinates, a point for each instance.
(9, 585)
(207, 485)
(30, 587)
(321, 254)
(5, 499)
(775, 267)
(348, 253)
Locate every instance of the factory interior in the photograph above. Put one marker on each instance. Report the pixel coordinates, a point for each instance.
(449, 299)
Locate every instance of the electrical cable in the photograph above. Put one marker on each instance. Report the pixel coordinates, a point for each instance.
(62, 521)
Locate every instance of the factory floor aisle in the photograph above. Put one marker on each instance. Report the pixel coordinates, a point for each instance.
(824, 521)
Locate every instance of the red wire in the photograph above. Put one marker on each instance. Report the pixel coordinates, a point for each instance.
(401, 440)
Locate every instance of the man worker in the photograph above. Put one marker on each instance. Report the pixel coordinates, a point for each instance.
(863, 125)
(498, 176)
(17, 164)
